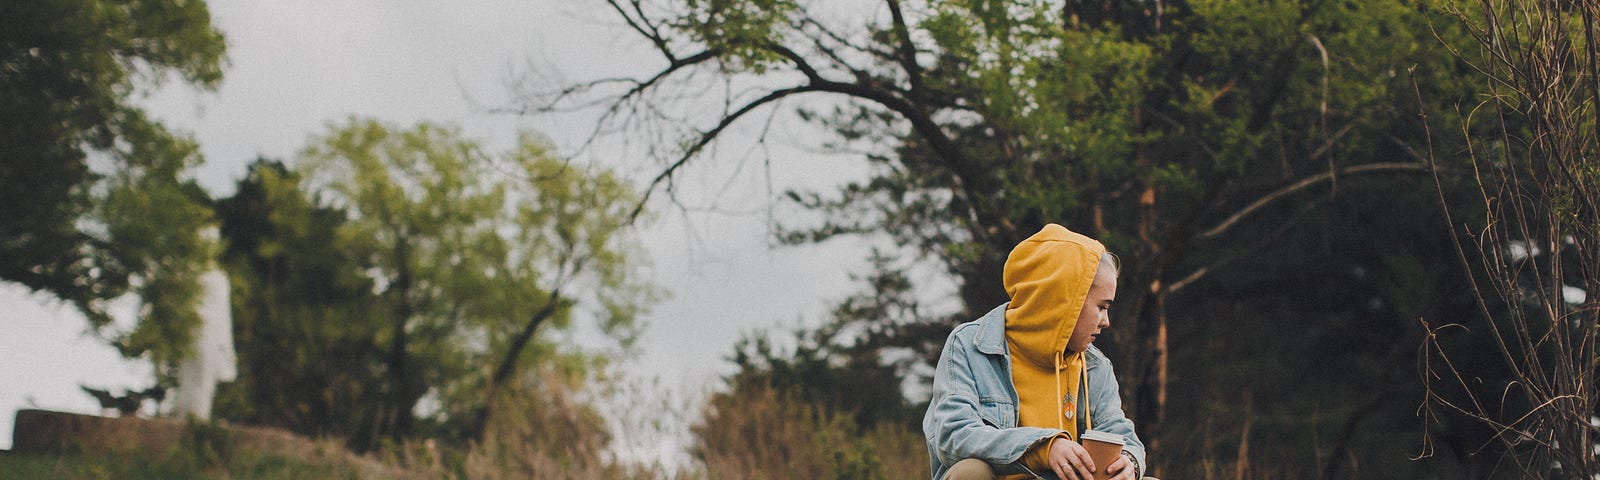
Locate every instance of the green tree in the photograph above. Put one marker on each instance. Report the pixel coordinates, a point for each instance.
(89, 231)
(1191, 136)
(474, 255)
(307, 341)
(568, 242)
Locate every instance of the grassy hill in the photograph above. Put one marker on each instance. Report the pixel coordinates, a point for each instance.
(64, 446)
(173, 465)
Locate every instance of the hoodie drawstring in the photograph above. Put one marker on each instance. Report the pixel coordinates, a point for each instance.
(1083, 387)
(1083, 391)
(1060, 422)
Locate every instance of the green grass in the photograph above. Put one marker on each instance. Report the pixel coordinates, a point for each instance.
(173, 465)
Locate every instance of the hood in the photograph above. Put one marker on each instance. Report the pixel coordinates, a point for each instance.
(1048, 277)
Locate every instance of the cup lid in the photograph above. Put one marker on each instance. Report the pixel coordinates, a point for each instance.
(1100, 436)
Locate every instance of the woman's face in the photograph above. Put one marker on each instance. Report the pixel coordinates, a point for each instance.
(1096, 314)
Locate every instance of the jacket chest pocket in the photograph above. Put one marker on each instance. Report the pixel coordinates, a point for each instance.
(998, 412)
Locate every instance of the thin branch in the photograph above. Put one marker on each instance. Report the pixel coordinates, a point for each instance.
(799, 62)
(906, 50)
(1444, 207)
(1307, 182)
(1265, 240)
(839, 43)
(644, 27)
(966, 176)
(705, 138)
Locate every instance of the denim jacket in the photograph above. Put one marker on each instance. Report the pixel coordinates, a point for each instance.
(973, 413)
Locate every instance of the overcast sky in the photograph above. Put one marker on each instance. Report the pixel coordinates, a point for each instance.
(296, 65)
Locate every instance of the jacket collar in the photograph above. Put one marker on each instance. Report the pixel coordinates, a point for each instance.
(992, 331)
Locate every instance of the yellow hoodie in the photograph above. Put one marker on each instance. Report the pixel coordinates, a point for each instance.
(1048, 277)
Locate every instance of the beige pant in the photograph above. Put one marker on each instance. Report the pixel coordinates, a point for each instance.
(974, 469)
(970, 469)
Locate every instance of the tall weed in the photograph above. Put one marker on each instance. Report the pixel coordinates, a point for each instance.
(760, 432)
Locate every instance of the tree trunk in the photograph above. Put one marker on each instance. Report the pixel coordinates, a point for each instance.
(1150, 364)
(395, 420)
(508, 365)
(1151, 402)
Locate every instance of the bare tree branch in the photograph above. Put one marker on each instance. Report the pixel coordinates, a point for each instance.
(1303, 184)
(640, 22)
(907, 52)
(1236, 254)
(705, 138)
(842, 41)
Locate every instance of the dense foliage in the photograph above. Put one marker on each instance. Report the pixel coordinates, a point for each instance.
(393, 266)
(97, 204)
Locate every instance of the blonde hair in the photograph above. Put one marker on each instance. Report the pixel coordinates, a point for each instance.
(1109, 265)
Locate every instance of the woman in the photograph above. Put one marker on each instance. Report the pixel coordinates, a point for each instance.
(1016, 388)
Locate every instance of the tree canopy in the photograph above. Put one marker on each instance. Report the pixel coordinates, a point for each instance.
(426, 266)
(97, 202)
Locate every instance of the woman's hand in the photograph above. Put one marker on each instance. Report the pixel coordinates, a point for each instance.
(1071, 462)
(1121, 469)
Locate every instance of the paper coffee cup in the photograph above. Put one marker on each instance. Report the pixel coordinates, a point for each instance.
(1103, 448)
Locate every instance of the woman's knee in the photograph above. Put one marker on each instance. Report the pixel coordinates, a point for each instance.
(970, 469)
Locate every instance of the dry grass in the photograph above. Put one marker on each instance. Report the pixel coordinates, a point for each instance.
(764, 433)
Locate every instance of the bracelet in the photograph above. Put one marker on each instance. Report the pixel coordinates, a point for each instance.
(1135, 461)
